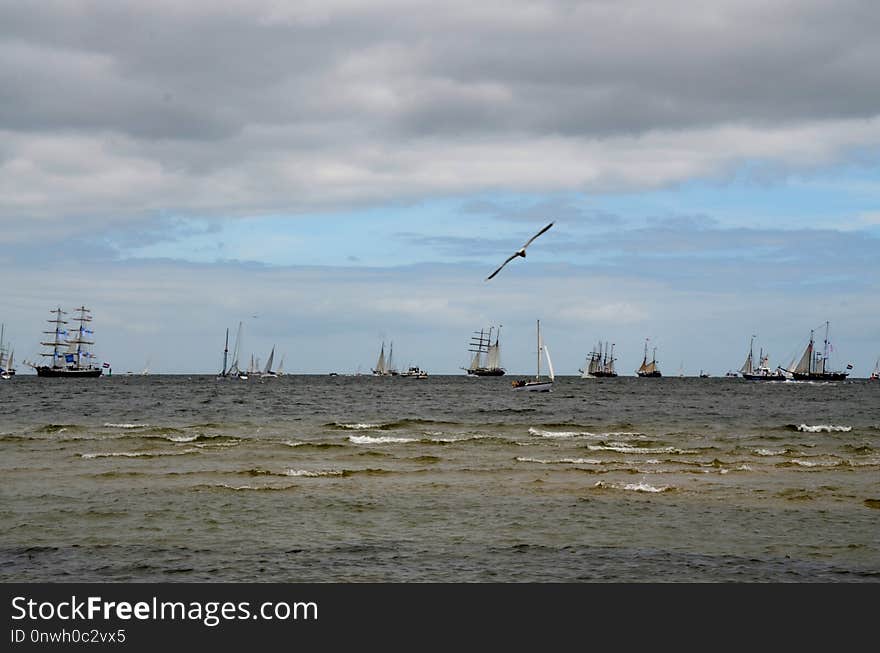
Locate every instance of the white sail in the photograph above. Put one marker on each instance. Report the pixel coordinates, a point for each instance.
(493, 357)
(380, 364)
(549, 363)
(236, 351)
(280, 370)
(269, 362)
(747, 366)
(803, 365)
(475, 362)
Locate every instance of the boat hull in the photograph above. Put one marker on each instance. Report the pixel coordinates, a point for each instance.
(56, 373)
(486, 371)
(764, 377)
(819, 376)
(649, 375)
(533, 386)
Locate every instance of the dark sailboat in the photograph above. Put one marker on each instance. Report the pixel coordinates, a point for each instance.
(813, 364)
(487, 355)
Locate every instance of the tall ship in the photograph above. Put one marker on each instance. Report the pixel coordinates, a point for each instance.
(600, 363)
(71, 356)
(649, 370)
(385, 367)
(813, 365)
(486, 360)
(761, 371)
(7, 370)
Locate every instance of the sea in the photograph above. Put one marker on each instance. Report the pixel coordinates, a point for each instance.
(355, 479)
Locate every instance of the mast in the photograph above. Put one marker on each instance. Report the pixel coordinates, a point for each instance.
(270, 361)
(538, 375)
(225, 352)
(58, 332)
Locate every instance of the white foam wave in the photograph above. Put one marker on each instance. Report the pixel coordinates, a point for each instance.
(623, 447)
(574, 461)
(293, 443)
(181, 438)
(360, 426)
(124, 426)
(312, 473)
(136, 454)
(827, 428)
(633, 487)
(815, 463)
(384, 439)
(583, 434)
(769, 452)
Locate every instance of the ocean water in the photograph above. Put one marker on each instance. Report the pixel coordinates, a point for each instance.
(449, 478)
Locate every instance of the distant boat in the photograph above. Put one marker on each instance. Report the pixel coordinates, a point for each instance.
(649, 370)
(268, 372)
(812, 365)
(486, 359)
(538, 385)
(875, 375)
(761, 371)
(7, 370)
(704, 375)
(600, 363)
(383, 367)
(71, 355)
(415, 372)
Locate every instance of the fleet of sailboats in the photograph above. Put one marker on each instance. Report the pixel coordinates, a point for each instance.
(538, 384)
(486, 360)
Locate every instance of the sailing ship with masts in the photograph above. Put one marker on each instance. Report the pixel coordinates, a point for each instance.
(7, 355)
(538, 384)
(761, 371)
(385, 367)
(649, 370)
(813, 365)
(486, 360)
(71, 355)
(600, 363)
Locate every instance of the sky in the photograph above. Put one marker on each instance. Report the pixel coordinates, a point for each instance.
(337, 174)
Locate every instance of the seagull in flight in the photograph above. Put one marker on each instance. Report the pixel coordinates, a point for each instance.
(520, 252)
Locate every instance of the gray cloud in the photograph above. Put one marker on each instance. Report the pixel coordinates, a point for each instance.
(115, 109)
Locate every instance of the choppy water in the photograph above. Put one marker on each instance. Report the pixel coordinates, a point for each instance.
(348, 479)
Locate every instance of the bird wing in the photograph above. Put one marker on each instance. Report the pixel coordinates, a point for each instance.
(529, 242)
(509, 259)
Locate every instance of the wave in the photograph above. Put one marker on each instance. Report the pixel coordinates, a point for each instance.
(314, 473)
(584, 434)
(634, 487)
(623, 447)
(797, 462)
(575, 461)
(771, 452)
(238, 488)
(368, 439)
(820, 428)
(384, 426)
(137, 454)
(126, 426)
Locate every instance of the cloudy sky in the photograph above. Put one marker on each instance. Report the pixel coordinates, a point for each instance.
(337, 173)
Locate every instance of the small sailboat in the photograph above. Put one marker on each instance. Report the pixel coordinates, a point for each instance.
(875, 375)
(761, 371)
(8, 371)
(704, 375)
(649, 370)
(268, 372)
(538, 385)
(6, 364)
